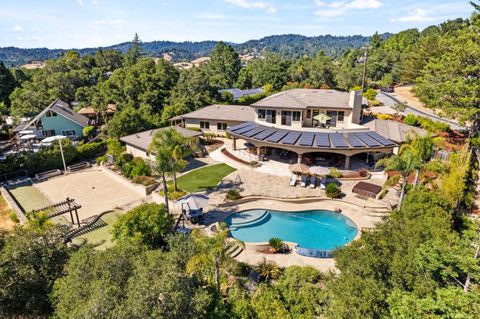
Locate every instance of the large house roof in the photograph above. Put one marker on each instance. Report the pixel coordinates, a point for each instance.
(142, 140)
(304, 98)
(340, 140)
(217, 112)
(395, 131)
(63, 109)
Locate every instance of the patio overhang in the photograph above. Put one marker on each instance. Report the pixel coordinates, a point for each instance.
(347, 143)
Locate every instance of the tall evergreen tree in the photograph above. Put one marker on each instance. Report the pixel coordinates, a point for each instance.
(224, 66)
(134, 52)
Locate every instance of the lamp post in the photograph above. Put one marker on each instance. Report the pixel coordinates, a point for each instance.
(63, 157)
(58, 138)
(365, 61)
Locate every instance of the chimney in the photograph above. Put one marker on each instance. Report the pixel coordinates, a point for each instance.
(355, 102)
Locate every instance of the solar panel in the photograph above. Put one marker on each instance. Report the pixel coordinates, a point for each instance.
(246, 128)
(381, 139)
(337, 140)
(354, 140)
(291, 138)
(367, 139)
(322, 140)
(239, 126)
(277, 136)
(306, 139)
(253, 132)
(263, 135)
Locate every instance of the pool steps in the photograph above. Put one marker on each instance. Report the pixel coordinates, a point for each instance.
(262, 218)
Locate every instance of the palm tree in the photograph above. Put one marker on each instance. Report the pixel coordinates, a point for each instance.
(405, 163)
(163, 165)
(420, 147)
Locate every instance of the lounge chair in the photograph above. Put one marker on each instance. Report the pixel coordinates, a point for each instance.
(313, 181)
(293, 180)
(304, 181)
(322, 183)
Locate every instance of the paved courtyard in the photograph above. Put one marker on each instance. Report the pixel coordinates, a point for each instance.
(96, 189)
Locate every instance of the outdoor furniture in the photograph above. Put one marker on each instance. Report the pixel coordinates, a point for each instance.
(313, 181)
(192, 206)
(304, 181)
(299, 169)
(293, 180)
(367, 189)
(40, 177)
(78, 166)
(323, 183)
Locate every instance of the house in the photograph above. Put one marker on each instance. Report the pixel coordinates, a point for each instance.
(237, 93)
(395, 131)
(57, 119)
(98, 118)
(138, 144)
(215, 118)
(285, 126)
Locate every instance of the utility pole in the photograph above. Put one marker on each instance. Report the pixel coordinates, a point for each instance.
(365, 60)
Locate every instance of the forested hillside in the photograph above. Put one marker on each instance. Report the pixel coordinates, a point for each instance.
(288, 45)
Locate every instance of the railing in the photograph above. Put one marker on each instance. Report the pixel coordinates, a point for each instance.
(315, 253)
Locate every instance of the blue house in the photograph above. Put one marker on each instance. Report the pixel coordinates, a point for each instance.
(57, 119)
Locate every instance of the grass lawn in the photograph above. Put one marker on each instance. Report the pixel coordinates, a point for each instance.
(30, 197)
(102, 237)
(204, 178)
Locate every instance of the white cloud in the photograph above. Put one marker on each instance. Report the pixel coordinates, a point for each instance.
(17, 28)
(246, 4)
(339, 8)
(95, 2)
(112, 23)
(417, 15)
(81, 2)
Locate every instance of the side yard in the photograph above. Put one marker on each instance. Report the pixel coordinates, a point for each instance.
(203, 178)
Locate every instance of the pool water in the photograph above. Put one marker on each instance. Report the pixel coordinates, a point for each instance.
(314, 229)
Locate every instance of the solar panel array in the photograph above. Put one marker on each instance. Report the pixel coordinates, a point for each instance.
(370, 139)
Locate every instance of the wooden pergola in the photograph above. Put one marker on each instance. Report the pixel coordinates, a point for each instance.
(67, 206)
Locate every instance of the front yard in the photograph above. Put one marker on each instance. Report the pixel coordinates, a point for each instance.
(203, 178)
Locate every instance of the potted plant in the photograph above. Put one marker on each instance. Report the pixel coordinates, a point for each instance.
(276, 244)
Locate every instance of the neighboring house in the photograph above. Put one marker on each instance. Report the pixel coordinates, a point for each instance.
(98, 118)
(215, 118)
(57, 119)
(237, 93)
(138, 144)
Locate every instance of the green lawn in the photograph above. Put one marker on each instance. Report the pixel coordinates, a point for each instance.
(29, 197)
(204, 178)
(102, 237)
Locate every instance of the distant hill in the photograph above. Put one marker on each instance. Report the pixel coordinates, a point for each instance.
(289, 45)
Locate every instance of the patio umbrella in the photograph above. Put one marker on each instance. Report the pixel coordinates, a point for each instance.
(27, 137)
(322, 118)
(58, 138)
(299, 169)
(319, 170)
(193, 201)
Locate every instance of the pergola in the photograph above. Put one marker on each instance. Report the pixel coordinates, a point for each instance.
(67, 206)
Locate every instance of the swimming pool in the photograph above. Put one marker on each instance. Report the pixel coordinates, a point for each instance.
(313, 229)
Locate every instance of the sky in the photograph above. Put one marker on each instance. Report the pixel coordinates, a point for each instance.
(91, 23)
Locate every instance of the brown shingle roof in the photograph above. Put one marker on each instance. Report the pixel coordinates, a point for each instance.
(303, 98)
(142, 140)
(393, 130)
(216, 112)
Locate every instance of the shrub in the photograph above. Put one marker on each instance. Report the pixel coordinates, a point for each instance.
(332, 190)
(14, 217)
(384, 117)
(228, 135)
(375, 103)
(370, 94)
(475, 142)
(411, 119)
(101, 159)
(209, 136)
(335, 173)
(276, 244)
(194, 128)
(136, 167)
(88, 131)
(148, 224)
(90, 150)
(114, 147)
(268, 270)
(233, 194)
(172, 195)
(144, 180)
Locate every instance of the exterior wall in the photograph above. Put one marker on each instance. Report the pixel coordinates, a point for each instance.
(139, 153)
(347, 118)
(59, 123)
(195, 123)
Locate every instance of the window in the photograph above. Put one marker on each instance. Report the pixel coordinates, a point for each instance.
(205, 125)
(261, 114)
(68, 133)
(271, 116)
(340, 116)
(50, 114)
(309, 114)
(286, 118)
(221, 126)
(296, 116)
(49, 133)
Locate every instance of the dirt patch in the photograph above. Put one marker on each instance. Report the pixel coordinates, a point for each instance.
(407, 94)
(6, 223)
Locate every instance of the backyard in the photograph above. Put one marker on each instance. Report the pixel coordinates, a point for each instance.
(101, 238)
(203, 178)
(29, 197)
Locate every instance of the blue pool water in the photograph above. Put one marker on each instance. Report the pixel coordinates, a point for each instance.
(314, 229)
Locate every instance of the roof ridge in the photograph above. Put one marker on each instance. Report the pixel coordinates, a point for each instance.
(296, 99)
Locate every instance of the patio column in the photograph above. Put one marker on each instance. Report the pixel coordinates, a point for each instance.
(299, 159)
(234, 144)
(347, 162)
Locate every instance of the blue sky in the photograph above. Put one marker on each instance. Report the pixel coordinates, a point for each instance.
(89, 23)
